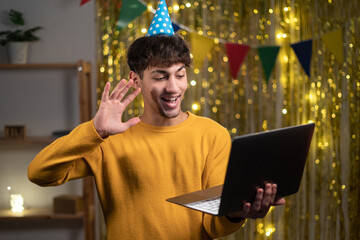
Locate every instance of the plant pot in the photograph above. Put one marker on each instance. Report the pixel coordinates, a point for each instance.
(17, 52)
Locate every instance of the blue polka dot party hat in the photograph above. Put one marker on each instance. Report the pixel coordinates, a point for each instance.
(161, 23)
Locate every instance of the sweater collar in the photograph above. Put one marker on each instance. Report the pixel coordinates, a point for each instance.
(173, 128)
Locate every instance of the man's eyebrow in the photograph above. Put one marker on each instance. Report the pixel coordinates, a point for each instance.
(182, 67)
(159, 71)
(165, 72)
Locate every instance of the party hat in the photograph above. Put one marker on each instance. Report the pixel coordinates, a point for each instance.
(161, 23)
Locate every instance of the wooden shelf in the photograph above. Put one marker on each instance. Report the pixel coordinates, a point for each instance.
(40, 66)
(83, 70)
(37, 213)
(28, 140)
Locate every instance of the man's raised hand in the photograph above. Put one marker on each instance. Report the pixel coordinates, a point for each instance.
(107, 120)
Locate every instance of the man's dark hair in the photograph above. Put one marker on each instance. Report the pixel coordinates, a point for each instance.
(157, 51)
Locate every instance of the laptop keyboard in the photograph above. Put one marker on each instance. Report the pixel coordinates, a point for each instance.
(210, 205)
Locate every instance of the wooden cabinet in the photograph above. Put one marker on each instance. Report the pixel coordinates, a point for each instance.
(83, 71)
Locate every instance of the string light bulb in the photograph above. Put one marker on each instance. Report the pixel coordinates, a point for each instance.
(195, 106)
(269, 231)
(176, 7)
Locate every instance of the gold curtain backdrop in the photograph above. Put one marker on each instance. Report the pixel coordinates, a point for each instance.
(327, 204)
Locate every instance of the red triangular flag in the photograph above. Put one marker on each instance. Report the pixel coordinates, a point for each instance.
(83, 2)
(236, 54)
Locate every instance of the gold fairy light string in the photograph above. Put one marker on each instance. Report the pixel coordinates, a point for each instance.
(326, 206)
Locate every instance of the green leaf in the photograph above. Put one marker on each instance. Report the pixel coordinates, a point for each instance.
(16, 17)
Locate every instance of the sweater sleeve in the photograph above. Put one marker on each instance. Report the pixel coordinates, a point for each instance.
(214, 174)
(64, 159)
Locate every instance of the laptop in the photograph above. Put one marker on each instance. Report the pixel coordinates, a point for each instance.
(274, 156)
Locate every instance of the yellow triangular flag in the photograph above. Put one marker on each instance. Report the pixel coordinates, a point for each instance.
(334, 41)
(200, 46)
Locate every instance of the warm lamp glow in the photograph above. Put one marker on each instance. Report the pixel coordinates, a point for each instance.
(16, 203)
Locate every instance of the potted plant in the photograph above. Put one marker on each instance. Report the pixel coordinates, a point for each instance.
(17, 40)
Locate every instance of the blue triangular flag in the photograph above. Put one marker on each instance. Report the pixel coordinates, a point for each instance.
(175, 27)
(161, 23)
(303, 52)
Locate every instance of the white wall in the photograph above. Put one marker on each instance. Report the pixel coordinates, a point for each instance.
(45, 101)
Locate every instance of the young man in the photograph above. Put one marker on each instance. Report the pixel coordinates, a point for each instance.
(140, 163)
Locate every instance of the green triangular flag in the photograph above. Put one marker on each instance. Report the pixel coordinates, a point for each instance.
(130, 10)
(268, 57)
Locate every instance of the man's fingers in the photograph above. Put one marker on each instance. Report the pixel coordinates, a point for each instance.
(131, 97)
(131, 122)
(280, 201)
(256, 205)
(105, 95)
(269, 195)
(273, 193)
(258, 199)
(124, 90)
(246, 210)
(119, 87)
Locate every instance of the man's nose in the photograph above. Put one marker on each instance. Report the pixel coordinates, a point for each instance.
(171, 85)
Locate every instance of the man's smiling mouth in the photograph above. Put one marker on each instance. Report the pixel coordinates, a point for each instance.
(170, 99)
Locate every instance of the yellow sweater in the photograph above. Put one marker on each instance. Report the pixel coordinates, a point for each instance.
(136, 171)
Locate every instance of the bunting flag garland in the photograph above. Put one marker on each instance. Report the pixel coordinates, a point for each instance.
(236, 54)
(83, 2)
(303, 52)
(268, 57)
(130, 10)
(333, 40)
(200, 46)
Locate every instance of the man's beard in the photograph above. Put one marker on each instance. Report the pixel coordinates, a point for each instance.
(169, 115)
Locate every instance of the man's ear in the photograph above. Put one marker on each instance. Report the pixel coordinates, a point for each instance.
(134, 76)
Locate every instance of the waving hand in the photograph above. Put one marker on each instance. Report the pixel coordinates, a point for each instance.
(107, 120)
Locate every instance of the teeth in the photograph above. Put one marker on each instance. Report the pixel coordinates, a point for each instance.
(170, 99)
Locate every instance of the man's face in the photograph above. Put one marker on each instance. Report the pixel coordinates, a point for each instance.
(163, 89)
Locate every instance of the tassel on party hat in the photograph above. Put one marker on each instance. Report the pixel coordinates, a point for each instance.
(161, 23)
